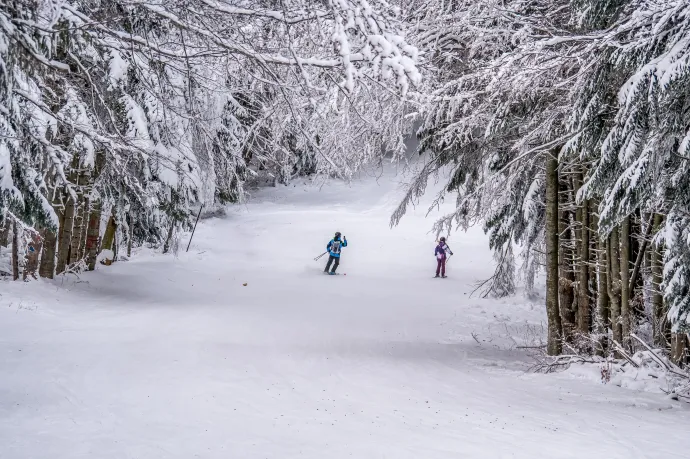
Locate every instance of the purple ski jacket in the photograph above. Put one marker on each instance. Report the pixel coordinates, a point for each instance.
(440, 250)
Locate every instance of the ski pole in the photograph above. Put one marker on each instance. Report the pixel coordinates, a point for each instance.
(197, 221)
(317, 258)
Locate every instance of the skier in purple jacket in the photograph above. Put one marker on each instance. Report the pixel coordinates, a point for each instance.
(441, 252)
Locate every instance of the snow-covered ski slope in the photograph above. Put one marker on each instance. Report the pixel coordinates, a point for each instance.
(164, 357)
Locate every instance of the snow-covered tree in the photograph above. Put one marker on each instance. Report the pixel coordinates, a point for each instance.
(119, 117)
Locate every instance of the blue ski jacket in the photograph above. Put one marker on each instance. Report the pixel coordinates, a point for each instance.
(333, 252)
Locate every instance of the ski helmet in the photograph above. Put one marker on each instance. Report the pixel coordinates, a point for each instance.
(443, 239)
(337, 234)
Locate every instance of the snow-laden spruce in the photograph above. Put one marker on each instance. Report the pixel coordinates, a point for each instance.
(602, 89)
(119, 119)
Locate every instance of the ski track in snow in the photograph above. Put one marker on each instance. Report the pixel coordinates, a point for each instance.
(164, 357)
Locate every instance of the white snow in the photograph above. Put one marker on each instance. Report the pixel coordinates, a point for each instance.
(6, 183)
(165, 357)
(117, 67)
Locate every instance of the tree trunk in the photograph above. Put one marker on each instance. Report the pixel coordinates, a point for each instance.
(168, 239)
(15, 251)
(625, 282)
(117, 240)
(81, 252)
(615, 282)
(657, 297)
(566, 280)
(551, 231)
(93, 234)
(679, 349)
(583, 315)
(109, 237)
(641, 255)
(47, 266)
(130, 235)
(593, 263)
(602, 296)
(66, 235)
(75, 242)
(5, 232)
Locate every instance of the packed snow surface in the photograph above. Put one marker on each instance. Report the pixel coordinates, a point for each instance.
(175, 357)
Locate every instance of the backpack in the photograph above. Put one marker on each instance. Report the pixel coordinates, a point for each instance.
(335, 246)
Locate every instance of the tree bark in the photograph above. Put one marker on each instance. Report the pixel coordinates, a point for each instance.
(47, 266)
(657, 297)
(130, 235)
(642, 250)
(15, 251)
(5, 232)
(81, 251)
(626, 323)
(109, 236)
(551, 230)
(566, 269)
(602, 296)
(615, 283)
(583, 315)
(593, 263)
(76, 242)
(678, 348)
(65, 241)
(168, 239)
(92, 235)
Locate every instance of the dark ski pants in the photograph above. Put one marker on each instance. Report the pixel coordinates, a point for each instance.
(335, 266)
(441, 267)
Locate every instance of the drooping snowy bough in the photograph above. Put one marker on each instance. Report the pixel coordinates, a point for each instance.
(133, 112)
(588, 99)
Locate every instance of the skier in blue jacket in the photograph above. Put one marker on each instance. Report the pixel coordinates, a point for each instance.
(333, 248)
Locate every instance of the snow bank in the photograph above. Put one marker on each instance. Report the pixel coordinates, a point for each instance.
(648, 376)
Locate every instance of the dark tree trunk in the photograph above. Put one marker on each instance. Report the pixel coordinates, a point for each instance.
(679, 347)
(15, 251)
(109, 237)
(130, 235)
(65, 241)
(76, 242)
(583, 315)
(47, 267)
(615, 283)
(602, 296)
(566, 269)
(593, 263)
(92, 235)
(657, 297)
(5, 232)
(168, 239)
(551, 231)
(84, 229)
(625, 282)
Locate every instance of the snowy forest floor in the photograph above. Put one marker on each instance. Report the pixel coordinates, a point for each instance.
(173, 357)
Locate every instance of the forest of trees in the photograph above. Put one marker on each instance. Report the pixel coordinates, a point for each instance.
(566, 127)
(119, 119)
(563, 126)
